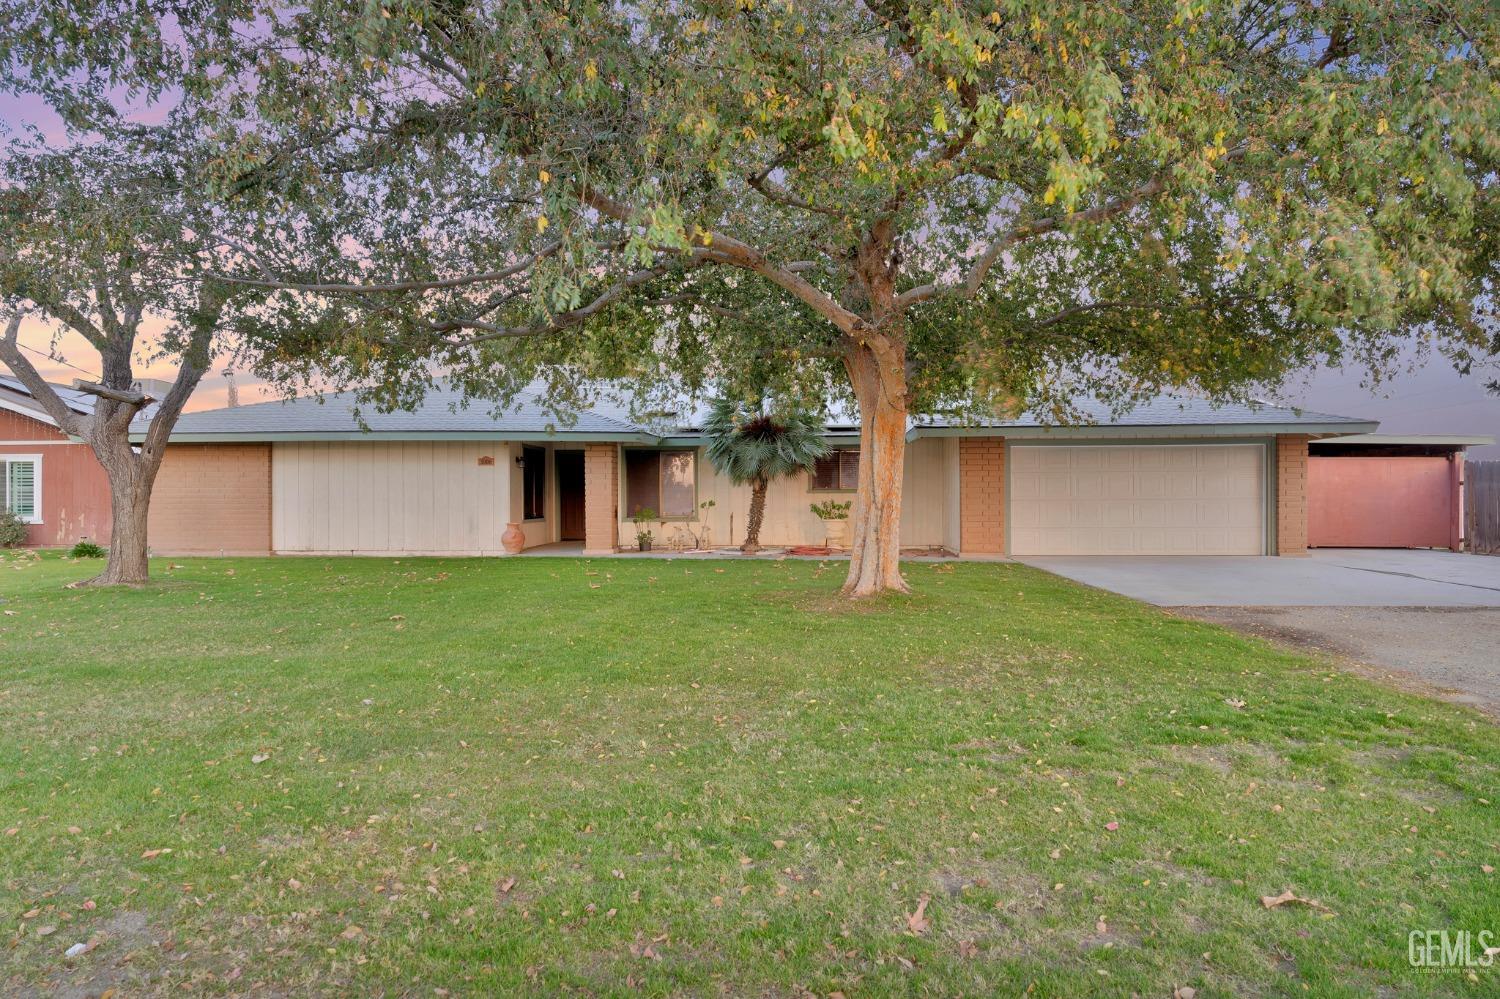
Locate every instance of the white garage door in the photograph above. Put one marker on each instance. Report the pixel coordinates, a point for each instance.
(1180, 499)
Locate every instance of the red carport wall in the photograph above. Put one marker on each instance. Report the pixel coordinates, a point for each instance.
(1383, 502)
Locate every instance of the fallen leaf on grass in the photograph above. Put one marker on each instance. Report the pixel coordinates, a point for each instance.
(260, 757)
(151, 854)
(967, 949)
(351, 932)
(1289, 897)
(1184, 992)
(504, 885)
(917, 922)
(640, 948)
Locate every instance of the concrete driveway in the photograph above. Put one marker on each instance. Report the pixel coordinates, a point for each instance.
(1427, 620)
(1329, 577)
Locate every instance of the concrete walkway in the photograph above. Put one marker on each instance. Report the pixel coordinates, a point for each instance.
(1334, 577)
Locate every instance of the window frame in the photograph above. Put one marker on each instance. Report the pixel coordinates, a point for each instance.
(538, 468)
(835, 452)
(35, 460)
(661, 517)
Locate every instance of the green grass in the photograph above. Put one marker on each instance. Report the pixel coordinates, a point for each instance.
(703, 777)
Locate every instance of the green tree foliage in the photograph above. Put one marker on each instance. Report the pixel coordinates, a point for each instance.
(756, 447)
(938, 204)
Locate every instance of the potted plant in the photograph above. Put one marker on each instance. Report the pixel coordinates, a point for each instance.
(643, 536)
(835, 518)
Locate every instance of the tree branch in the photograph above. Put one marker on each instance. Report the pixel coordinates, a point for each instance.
(125, 396)
(10, 352)
(195, 360)
(781, 196)
(718, 248)
(399, 286)
(1019, 234)
(558, 323)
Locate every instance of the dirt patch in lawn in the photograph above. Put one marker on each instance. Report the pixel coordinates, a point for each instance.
(1445, 652)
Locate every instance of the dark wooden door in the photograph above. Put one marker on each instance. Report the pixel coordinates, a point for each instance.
(570, 495)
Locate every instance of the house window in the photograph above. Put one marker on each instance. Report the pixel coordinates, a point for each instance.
(838, 470)
(20, 480)
(534, 483)
(664, 481)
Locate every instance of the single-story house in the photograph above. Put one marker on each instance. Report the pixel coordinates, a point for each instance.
(1176, 476)
(54, 483)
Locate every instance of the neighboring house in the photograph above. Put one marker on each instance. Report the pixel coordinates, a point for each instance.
(1174, 477)
(55, 484)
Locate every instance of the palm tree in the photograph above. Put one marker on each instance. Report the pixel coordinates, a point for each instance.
(751, 445)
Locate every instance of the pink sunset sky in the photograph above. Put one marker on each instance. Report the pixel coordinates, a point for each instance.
(1419, 399)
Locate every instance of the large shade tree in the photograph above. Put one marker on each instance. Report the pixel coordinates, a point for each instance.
(107, 241)
(927, 204)
(114, 217)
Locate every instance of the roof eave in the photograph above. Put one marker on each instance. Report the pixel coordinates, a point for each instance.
(1436, 440)
(1109, 431)
(501, 436)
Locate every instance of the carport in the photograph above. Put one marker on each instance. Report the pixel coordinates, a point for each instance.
(1387, 491)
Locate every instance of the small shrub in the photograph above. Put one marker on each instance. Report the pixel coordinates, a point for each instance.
(12, 530)
(832, 510)
(87, 549)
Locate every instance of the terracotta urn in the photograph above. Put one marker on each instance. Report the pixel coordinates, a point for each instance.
(838, 533)
(514, 539)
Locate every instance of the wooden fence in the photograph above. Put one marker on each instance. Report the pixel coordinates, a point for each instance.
(1482, 506)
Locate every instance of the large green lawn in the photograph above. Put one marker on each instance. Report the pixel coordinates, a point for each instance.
(677, 778)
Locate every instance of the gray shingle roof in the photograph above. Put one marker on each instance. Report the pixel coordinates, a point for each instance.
(444, 413)
(1165, 411)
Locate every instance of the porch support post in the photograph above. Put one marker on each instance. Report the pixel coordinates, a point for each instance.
(1291, 494)
(981, 496)
(601, 499)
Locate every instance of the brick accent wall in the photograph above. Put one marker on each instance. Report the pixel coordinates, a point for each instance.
(211, 498)
(981, 495)
(1291, 494)
(601, 498)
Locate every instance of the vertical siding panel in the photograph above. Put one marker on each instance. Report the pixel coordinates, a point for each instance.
(396, 484)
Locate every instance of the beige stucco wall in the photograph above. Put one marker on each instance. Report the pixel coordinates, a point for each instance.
(406, 497)
(926, 510)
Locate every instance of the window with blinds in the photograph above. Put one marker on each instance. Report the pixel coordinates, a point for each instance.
(18, 481)
(663, 481)
(838, 470)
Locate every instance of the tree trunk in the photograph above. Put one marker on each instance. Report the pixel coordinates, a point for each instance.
(877, 371)
(757, 515)
(130, 479)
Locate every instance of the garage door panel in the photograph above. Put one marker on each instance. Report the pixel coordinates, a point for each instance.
(1138, 500)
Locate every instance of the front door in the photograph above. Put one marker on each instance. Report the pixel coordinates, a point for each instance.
(570, 495)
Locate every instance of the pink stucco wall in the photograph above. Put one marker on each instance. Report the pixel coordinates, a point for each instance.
(1398, 502)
